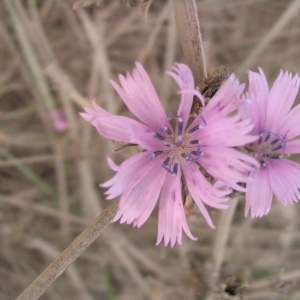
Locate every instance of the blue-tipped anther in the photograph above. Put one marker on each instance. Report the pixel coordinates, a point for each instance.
(195, 142)
(167, 130)
(277, 148)
(194, 129)
(156, 153)
(158, 136)
(180, 126)
(175, 169)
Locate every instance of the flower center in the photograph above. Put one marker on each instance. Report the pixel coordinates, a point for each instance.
(178, 144)
(269, 146)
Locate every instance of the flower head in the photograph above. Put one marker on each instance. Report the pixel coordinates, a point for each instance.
(59, 121)
(277, 124)
(174, 146)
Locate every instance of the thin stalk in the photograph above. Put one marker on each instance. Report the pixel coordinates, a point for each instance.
(70, 254)
(72, 273)
(219, 248)
(190, 37)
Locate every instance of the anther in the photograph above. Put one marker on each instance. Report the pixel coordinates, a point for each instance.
(277, 148)
(166, 162)
(268, 136)
(158, 136)
(156, 153)
(167, 130)
(175, 169)
(260, 139)
(180, 126)
(195, 142)
(194, 129)
(186, 157)
(203, 120)
(274, 141)
(196, 153)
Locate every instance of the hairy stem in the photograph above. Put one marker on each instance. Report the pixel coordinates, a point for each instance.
(69, 255)
(190, 37)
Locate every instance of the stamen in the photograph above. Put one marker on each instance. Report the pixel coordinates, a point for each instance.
(167, 130)
(260, 139)
(195, 142)
(268, 136)
(196, 153)
(184, 156)
(187, 157)
(167, 144)
(274, 141)
(277, 148)
(203, 120)
(158, 136)
(166, 162)
(175, 169)
(180, 126)
(194, 129)
(179, 123)
(156, 153)
(167, 166)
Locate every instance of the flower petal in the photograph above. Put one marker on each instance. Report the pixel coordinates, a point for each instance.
(139, 95)
(292, 147)
(290, 123)
(182, 74)
(171, 218)
(287, 190)
(224, 101)
(130, 172)
(282, 96)
(146, 139)
(113, 127)
(229, 132)
(254, 103)
(138, 201)
(228, 165)
(203, 192)
(259, 193)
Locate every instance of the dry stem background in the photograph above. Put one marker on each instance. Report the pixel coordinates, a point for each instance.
(51, 57)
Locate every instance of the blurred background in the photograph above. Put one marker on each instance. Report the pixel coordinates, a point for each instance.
(54, 60)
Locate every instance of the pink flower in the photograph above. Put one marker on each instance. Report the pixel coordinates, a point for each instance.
(278, 128)
(59, 121)
(174, 146)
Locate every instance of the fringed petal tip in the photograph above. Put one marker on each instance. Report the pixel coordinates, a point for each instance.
(256, 213)
(182, 75)
(112, 164)
(94, 107)
(260, 72)
(172, 242)
(168, 243)
(193, 92)
(180, 70)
